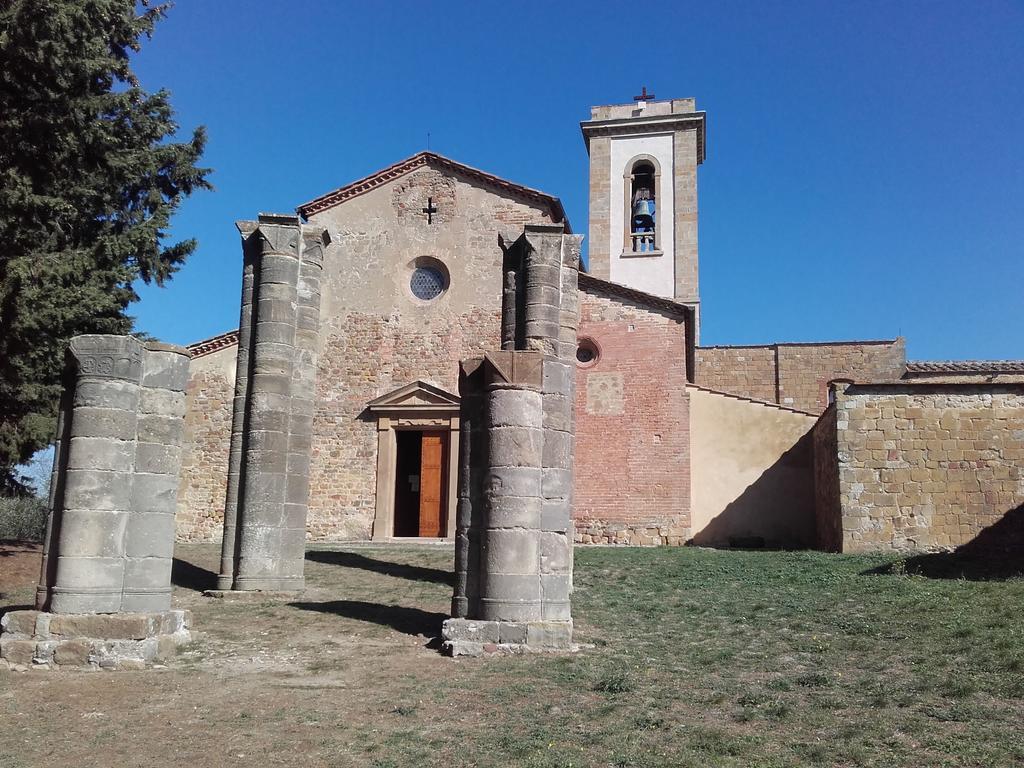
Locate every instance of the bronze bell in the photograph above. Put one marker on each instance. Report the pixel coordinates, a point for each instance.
(643, 211)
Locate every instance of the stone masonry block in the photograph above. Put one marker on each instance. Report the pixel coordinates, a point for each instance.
(512, 633)
(17, 651)
(19, 622)
(157, 494)
(103, 422)
(513, 481)
(473, 631)
(97, 489)
(103, 626)
(516, 447)
(514, 408)
(511, 551)
(72, 653)
(156, 458)
(160, 428)
(514, 512)
(118, 395)
(150, 535)
(94, 534)
(162, 402)
(554, 635)
(166, 367)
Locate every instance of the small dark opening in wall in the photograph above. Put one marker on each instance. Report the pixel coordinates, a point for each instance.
(586, 352)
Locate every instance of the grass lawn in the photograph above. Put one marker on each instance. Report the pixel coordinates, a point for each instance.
(699, 658)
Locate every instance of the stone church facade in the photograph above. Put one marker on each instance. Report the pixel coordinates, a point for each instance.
(675, 442)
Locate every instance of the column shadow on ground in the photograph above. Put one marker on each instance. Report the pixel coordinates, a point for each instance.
(398, 570)
(408, 621)
(190, 576)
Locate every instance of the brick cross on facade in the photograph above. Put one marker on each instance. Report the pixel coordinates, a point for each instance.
(644, 95)
(430, 210)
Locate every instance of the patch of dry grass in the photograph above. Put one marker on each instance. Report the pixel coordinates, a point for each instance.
(699, 658)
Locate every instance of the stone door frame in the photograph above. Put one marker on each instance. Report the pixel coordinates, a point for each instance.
(416, 406)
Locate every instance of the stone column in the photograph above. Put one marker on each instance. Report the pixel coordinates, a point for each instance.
(149, 542)
(100, 458)
(272, 445)
(110, 534)
(559, 393)
(510, 585)
(469, 509)
(522, 461)
(229, 544)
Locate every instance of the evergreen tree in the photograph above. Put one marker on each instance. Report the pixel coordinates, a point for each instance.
(89, 179)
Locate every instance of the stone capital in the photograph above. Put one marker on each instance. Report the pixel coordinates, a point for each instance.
(519, 368)
(107, 356)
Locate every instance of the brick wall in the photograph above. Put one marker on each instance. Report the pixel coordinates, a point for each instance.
(207, 438)
(797, 375)
(925, 467)
(632, 441)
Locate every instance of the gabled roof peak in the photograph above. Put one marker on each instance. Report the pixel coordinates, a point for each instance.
(433, 160)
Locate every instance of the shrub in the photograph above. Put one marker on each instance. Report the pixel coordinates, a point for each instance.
(22, 518)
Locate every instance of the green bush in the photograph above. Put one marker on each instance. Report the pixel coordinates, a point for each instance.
(22, 518)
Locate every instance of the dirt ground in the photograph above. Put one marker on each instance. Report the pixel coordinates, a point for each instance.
(296, 676)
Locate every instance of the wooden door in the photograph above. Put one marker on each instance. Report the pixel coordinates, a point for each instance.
(432, 517)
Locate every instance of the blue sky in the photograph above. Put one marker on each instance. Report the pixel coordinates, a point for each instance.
(865, 166)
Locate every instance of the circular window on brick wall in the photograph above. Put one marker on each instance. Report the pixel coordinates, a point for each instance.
(587, 353)
(428, 278)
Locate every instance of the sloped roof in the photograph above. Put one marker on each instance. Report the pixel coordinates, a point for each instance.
(434, 160)
(213, 344)
(965, 366)
(593, 284)
(756, 401)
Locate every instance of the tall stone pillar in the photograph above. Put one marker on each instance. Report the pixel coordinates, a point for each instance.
(149, 539)
(268, 482)
(514, 537)
(469, 510)
(99, 459)
(110, 534)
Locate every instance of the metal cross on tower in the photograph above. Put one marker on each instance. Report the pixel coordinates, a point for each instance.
(430, 210)
(644, 95)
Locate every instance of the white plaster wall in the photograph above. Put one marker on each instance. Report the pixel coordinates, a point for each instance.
(653, 274)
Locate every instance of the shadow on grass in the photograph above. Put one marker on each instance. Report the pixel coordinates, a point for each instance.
(190, 576)
(409, 621)
(995, 554)
(398, 570)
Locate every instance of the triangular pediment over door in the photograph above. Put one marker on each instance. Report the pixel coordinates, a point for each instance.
(413, 397)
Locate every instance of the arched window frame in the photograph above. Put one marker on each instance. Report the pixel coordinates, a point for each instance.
(628, 248)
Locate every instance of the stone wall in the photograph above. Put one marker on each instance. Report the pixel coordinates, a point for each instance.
(632, 438)
(204, 466)
(926, 466)
(827, 513)
(745, 371)
(797, 375)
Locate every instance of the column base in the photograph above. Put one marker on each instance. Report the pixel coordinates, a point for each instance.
(38, 639)
(469, 637)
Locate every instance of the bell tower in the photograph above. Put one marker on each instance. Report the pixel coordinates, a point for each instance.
(643, 194)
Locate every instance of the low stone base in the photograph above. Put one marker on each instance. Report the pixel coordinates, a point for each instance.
(91, 640)
(469, 637)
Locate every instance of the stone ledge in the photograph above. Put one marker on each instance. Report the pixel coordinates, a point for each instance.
(43, 640)
(470, 637)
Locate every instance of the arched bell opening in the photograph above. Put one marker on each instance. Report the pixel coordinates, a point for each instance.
(642, 188)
